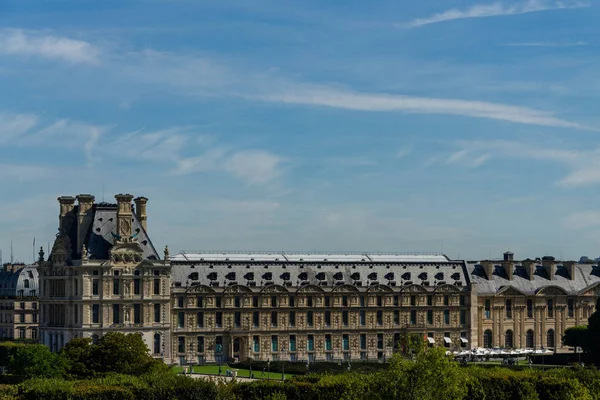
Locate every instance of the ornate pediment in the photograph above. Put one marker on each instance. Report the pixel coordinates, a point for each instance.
(591, 290)
(551, 291)
(126, 251)
(414, 289)
(200, 289)
(274, 289)
(380, 289)
(509, 291)
(310, 288)
(238, 289)
(447, 288)
(345, 289)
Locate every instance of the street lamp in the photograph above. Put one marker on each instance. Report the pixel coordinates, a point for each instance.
(282, 365)
(191, 358)
(268, 369)
(250, 374)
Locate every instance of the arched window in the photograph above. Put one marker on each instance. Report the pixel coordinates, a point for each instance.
(550, 342)
(157, 343)
(487, 339)
(508, 339)
(529, 342)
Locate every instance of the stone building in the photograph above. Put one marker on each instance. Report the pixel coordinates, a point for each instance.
(19, 302)
(315, 307)
(530, 303)
(104, 275)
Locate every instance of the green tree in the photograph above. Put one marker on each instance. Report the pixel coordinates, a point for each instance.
(121, 353)
(36, 360)
(77, 354)
(431, 376)
(575, 336)
(591, 345)
(412, 344)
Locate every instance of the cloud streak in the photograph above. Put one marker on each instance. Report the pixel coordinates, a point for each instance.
(547, 44)
(583, 165)
(494, 10)
(36, 44)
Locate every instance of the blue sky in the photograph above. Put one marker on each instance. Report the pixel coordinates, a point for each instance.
(464, 126)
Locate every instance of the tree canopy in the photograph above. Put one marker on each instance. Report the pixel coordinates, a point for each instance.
(575, 336)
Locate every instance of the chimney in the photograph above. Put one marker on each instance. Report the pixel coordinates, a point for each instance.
(509, 266)
(549, 266)
(488, 267)
(124, 215)
(67, 203)
(84, 218)
(140, 210)
(570, 267)
(529, 266)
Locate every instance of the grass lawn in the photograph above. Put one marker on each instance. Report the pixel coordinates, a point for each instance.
(242, 373)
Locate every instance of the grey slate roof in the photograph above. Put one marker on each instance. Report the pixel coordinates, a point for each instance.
(99, 237)
(220, 273)
(11, 283)
(585, 276)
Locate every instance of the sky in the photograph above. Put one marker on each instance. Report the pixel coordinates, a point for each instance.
(455, 126)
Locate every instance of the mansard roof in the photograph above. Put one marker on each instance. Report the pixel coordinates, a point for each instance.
(21, 282)
(585, 276)
(331, 272)
(99, 234)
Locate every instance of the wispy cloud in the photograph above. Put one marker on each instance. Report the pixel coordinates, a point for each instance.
(583, 165)
(493, 10)
(24, 173)
(39, 44)
(382, 102)
(13, 125)
(546, 44)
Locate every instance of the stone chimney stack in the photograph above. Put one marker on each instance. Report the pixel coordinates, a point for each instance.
(488, 267)
(140, 210)
(570, 267)
(124, 214)
(549, 266)
(67, 203)
(529, 266)
(84, 218)
(508, 264)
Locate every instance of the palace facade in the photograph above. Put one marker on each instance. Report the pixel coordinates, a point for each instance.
(19, 302)
(104, 275)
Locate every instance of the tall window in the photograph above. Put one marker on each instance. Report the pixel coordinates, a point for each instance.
(379, 301)
(327, 318)
(255, 301)
(487, 339)
(413, 317)
(292, 342)
(200, 319)
(116, 286)
(362, 301)
(380, 341)
(463, 317)
(137, 286)
(345, 342)
(309, 318)
(310, 343)
(447, 317)
(396, 301)
(95, 313)
(116, 314)
(292, 301)
(256, 344)
(274, 347)
(429, 300)
(200, 344)
(95, 287)
(219, 302)
(156, 312)
(446, 300)
(199, 302)
(529, 339)
(344, 301)
(273, 301)
(363, 341)
(396, 317)
(362, 317)
(181, 319)
(508, 339)
(327, 342)
(219, 319)
(157, 344)
(379, 317)
(274, 319)
(237, 319)
(529, 308)
(181, 344)
(461, 300)
(156, 286)
(137, 313)
(309, 301)
(487, 308)
(256, 319)
(570, 308)
(413, 300)
(430, 317)
(237, 302)
(550, 341)
(550, 308)
(345, 318)
(508, 308)
(180, 302)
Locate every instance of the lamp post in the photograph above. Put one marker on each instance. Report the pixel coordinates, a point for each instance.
(282, 365)
(268, 369)
(250, 373)
(191, 358)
